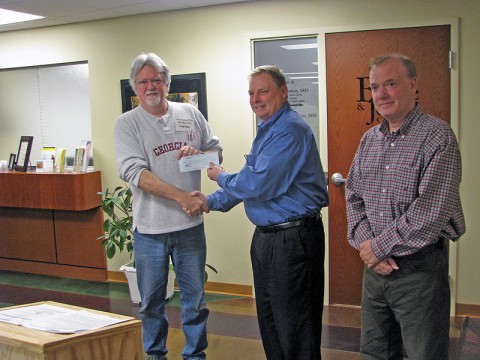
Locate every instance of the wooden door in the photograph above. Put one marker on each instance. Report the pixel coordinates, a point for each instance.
(350, 113)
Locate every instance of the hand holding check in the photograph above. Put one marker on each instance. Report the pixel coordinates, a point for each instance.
(198, 162)
(190, 159)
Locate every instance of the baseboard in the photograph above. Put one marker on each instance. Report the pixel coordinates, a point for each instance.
(211, 286)
(467, 310)
(247, 290)
(116, 276)
(231, 289)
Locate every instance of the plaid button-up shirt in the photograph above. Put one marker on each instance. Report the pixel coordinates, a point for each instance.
(402, 190)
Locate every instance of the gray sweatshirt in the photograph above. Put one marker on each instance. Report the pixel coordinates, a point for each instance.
(144, 141)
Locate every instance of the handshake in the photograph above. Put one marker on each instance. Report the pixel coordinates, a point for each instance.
(195, 203)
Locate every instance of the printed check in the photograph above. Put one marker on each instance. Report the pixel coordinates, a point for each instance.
(197, 162)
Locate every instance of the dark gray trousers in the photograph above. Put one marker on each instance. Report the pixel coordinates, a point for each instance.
(289, 280)
(411, 306)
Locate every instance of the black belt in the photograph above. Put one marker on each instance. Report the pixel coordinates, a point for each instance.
(420, 254)
(288, 225)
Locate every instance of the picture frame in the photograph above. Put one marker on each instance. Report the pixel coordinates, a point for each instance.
(191, 88)
(23, 155)
(129, 98)
(11, 162)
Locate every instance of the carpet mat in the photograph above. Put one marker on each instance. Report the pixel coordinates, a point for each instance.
(112, 290)
(469, 344)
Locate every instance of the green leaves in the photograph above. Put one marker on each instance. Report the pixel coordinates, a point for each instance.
(211, 268)
(117, 227)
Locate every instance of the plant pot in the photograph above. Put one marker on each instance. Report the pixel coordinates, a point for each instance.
(131, 274)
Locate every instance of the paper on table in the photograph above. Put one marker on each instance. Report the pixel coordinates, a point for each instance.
(82, 320)
(56, 319)
(20, 315)
(197, 162)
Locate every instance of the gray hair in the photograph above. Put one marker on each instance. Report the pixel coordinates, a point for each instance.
(406, 61)
(274, 71)
(149, 59)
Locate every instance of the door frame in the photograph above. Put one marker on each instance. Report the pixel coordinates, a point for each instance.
(322, 113)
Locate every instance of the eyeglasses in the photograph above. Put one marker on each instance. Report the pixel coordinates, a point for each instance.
(144, 83)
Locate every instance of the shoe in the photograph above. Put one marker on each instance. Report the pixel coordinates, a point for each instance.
(154, 357)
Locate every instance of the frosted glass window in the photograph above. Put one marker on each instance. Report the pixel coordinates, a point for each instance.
(298, 58)
(51, 103)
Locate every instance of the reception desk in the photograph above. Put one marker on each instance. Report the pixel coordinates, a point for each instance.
(49, 223)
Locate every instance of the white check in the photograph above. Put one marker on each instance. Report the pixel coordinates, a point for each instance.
(197, 162)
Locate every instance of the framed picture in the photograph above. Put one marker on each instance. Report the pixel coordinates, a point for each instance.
(23, 156)
(11, 162)
(191, 88)
(129, 99)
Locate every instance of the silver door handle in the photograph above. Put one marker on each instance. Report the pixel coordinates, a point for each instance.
(337, 179)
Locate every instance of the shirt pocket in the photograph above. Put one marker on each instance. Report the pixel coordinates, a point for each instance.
(405, 187)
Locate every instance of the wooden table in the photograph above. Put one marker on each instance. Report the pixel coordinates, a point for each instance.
(122, 341)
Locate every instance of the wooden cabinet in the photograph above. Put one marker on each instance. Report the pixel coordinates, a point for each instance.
(49, 224)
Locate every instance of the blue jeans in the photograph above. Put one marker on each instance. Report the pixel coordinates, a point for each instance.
(187, 249)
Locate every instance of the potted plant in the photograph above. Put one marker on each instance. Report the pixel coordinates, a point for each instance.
(118, 235)
(117, 227)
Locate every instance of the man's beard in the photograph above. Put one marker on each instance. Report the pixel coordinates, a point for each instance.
(153, 101)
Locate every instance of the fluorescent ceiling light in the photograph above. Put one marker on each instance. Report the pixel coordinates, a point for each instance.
(299, 46)
(303, 77)
(302, 73)
(10, 17)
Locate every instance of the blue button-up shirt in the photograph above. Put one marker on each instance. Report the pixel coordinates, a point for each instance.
(282, 179)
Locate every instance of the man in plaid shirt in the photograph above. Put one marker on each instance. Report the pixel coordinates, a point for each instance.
(403, 203)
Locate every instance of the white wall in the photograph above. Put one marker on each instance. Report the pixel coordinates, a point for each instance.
(215, 40)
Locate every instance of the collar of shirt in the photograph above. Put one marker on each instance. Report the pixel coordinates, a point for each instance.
(406, 123)
(265, 125)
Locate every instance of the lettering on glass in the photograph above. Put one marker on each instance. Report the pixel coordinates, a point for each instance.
(302, 96)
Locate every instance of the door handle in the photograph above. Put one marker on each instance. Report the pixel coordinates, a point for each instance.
(337, 179)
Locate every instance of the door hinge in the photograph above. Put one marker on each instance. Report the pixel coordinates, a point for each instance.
(450, 59)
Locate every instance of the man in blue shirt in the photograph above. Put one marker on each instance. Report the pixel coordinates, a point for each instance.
(282, 186)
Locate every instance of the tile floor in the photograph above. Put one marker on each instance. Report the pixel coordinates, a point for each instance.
(232, 328)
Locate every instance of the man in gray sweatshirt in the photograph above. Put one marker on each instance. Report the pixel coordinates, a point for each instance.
(149, 142)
